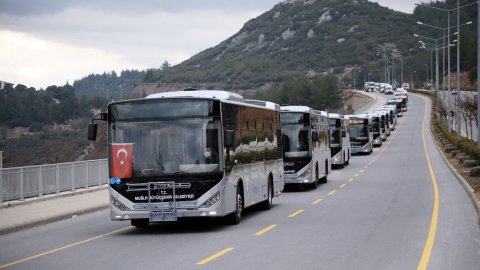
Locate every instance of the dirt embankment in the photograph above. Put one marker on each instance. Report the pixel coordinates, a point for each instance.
(353, 101)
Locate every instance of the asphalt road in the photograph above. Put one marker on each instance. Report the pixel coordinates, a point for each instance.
(379, 212)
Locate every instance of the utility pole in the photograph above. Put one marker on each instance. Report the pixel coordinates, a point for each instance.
(457, 113)
(478, 75)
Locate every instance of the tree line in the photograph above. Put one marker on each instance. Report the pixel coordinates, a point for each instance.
(319, 92)
(22, 106)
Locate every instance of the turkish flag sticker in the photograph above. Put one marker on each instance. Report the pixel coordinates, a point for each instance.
(122, 160)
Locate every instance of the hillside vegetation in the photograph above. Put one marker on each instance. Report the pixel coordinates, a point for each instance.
(297, 50)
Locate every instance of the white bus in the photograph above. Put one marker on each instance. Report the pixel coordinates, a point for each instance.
(377, 130)
(339, 140)
(361, 135)
(392, 116)
(191, 154)
(306, 151)
(385, 124)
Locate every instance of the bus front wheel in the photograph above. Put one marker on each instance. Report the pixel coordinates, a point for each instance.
(140, 223)
(235, 217)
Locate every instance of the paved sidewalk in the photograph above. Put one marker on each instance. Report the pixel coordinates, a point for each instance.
(26, 214)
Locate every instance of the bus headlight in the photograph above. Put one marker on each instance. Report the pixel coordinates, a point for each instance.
(211, 201)
(118, 204)
(304, 174)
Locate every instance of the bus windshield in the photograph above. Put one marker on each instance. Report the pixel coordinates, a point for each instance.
(295, 140)
(335, 132)
(170, 146)
(358, 131)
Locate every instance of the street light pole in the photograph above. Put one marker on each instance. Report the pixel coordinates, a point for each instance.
(401, 77)
(478, 75)
(436, 71)
(411, 78)
(458, 48)
(426, 83)
(354, 78)
(449, 77)
(457, 113)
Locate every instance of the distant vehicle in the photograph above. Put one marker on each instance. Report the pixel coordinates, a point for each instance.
(388, 89)
(191, 154)
(404, 99)
(370, 87)
(406, 86)
(339, 139)
(306, 149)
(392, 117)
(401, 94)
(361, 135)
(401, 90)
(376, 129)
(384, 124)
(454, 92)
(398, 106)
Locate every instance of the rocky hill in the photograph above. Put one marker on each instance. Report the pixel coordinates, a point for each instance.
(300, 37)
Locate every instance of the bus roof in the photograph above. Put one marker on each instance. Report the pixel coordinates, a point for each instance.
(213, 94)
(304, 109)
(322, 113)
(264, 103)
(363, 115)
(373, 114)
(335, 115)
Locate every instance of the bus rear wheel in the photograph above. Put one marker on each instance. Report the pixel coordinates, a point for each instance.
(267, 204)
(324, 179)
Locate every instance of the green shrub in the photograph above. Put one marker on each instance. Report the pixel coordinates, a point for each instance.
(465, 145)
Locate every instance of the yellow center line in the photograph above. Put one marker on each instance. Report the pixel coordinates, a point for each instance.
(214, 256)
(350, 180)
(317, 201)
(361, 171)
(265, 230)
(357, 174)
(369, 164)
(366, 167)
(343, 185)
(427, 251)
(296, 213)
(332, 192)
(62, 248)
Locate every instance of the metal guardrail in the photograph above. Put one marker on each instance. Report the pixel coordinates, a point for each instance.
(35, 181)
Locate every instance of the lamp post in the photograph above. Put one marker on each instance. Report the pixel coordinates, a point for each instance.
(433, 47)
(426, 82)
(411, 78)
(457, 116)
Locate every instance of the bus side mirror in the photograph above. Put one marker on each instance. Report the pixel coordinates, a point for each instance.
(228, 137)
(344, 133)
(92, 132)
(315, 136)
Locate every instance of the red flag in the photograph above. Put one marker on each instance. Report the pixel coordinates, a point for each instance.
(122, 160)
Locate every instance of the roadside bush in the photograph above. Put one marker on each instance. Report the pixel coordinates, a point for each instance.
(465, 145)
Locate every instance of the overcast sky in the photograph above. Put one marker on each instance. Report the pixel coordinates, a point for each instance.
(50, 42)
